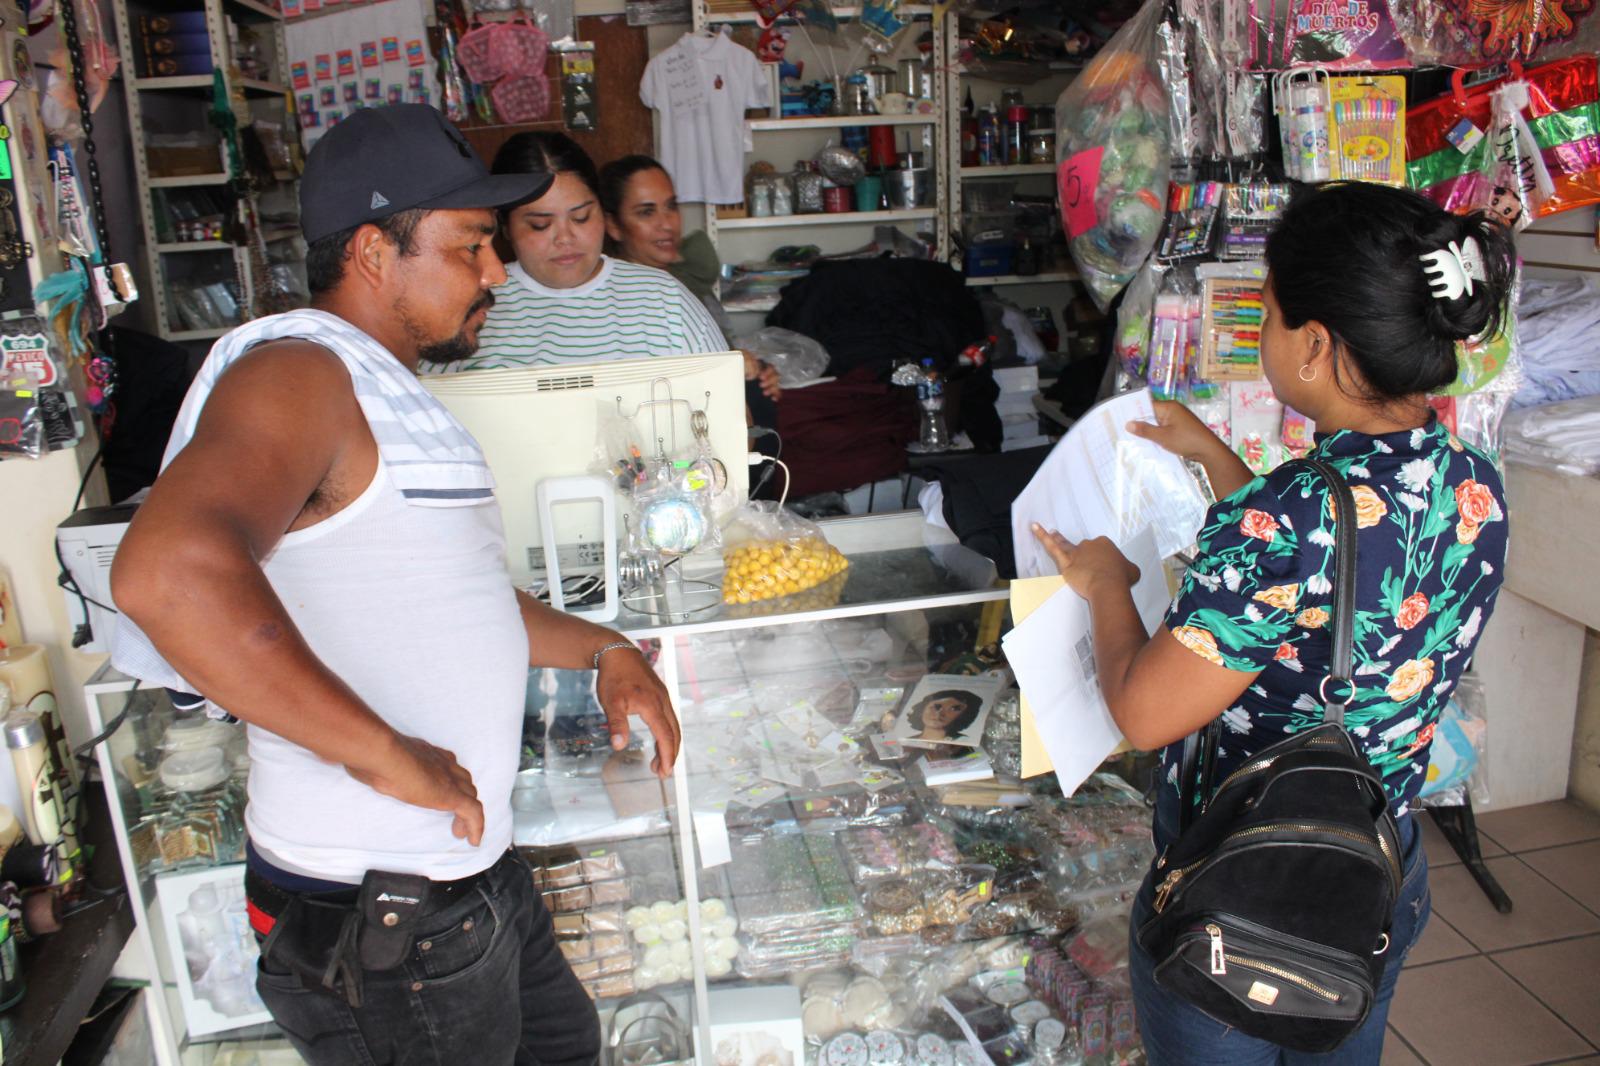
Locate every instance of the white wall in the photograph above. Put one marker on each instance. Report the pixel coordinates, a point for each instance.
(35, 495)
(1561, 244)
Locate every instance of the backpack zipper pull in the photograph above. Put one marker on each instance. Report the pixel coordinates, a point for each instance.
(1164, 889)
(1219, 961)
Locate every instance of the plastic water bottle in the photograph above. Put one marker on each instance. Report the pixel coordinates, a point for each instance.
(935, 435)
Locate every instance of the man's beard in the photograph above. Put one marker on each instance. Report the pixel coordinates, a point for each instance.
(452, 349)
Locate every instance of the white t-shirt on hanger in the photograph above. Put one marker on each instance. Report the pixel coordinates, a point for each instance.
(702, 87)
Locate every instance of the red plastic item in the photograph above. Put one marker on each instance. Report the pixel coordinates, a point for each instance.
(881, 152)
(519, 49)
(475, 53)
(521, 100)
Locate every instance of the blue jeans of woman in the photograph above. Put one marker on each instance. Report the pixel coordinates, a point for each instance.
(484, 985)
(1177, 1034)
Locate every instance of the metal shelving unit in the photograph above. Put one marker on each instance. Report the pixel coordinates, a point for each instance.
(1034, 177)
(842, 218)
(828, 122)
(1051, 277)
(150, 99)
(1022, 170)
(929, 131)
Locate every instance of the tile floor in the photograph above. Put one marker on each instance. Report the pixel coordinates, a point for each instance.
(1519, 989)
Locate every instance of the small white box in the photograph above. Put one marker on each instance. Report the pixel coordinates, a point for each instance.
(1017, 378)
(758, 1025)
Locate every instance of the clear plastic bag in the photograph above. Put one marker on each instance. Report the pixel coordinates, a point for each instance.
(1435, 33)
(1135, 318)
(774, 553)
(1112, 149)
(798, 359)
(1456, 757)
(22, 428)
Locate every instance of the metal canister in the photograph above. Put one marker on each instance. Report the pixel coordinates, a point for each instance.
(910, 81)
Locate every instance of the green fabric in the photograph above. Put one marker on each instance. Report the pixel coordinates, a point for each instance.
(699, 268)
(1564, 127)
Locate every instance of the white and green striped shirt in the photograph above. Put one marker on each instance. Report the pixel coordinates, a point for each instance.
(626, 311)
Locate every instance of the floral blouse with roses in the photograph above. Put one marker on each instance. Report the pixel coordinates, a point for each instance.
(1431, 545)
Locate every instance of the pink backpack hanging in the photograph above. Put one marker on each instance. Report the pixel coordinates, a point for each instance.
(518, 48)
(476, 54)
(522, 100)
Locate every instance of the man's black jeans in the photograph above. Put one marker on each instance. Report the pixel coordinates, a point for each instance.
(484, 984)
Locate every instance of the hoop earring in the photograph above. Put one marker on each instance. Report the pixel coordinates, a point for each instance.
(1307, 380)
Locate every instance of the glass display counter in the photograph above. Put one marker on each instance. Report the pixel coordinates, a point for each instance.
(844, 869)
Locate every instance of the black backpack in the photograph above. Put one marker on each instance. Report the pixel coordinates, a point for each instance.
(1273, 906)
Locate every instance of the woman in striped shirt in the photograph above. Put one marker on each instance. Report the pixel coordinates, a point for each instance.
(563, 300)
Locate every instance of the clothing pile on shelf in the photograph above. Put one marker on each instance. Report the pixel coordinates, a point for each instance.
(1558, 330)
(1564, 435)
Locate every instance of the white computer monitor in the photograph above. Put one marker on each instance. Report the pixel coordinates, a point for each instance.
(542, 422)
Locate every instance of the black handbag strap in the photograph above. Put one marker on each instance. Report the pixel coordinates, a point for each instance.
(1200, 747)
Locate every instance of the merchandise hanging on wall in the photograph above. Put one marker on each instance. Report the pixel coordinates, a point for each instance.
(1526, 145)
(580, 101)
(363, 57)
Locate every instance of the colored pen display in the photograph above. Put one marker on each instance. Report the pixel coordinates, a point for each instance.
(1234, 312)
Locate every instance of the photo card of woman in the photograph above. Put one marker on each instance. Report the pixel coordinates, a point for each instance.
(946, 709)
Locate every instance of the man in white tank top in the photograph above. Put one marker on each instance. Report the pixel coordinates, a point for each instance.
(322, 556)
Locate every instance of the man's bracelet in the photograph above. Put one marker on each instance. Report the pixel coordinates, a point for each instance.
(630, 645)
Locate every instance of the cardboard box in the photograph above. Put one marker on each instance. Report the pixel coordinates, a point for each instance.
(185, 161)
(169, 44)
(172, 22)
(176, 65)
(757, 1025)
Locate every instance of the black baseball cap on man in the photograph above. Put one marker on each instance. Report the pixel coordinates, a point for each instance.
(383, 160)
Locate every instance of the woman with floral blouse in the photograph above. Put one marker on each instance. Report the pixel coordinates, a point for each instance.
(1368, 290)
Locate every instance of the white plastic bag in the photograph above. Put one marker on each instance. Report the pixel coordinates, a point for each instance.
(798, 359)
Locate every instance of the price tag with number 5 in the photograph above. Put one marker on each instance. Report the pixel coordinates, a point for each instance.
(1077, 181)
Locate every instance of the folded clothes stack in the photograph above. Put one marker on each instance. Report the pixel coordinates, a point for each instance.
(1558, 333)
(1564, 435)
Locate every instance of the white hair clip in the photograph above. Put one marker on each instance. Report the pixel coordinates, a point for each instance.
(1452, 270)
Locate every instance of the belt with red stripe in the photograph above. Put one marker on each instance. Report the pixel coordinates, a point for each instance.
(265, 899)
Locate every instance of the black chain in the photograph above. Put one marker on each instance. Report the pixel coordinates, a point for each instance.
(69, 31)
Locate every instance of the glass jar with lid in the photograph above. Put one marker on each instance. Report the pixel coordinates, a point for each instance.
(807, 189)
(782, 193)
